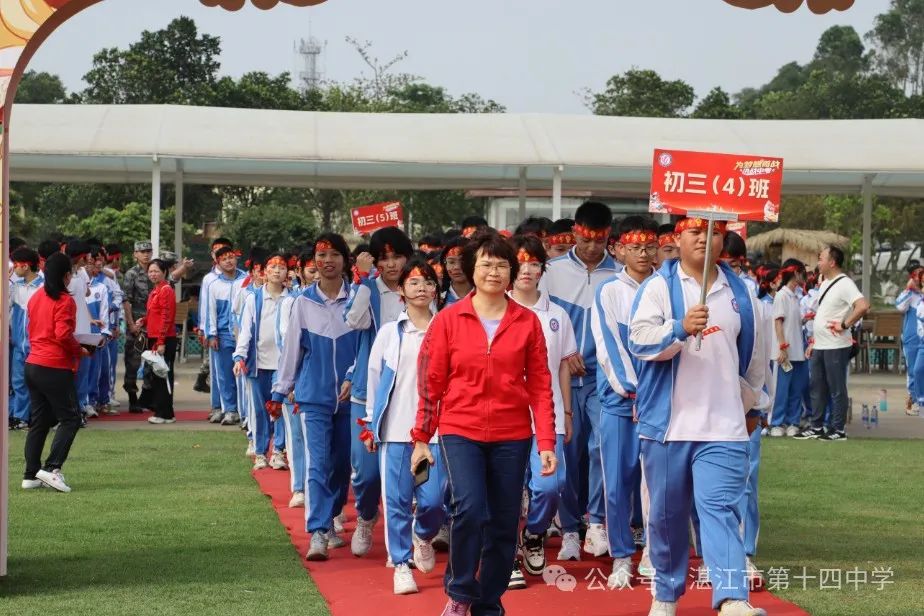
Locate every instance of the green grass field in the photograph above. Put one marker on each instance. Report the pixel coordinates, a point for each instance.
(166, 523)
(159, 523)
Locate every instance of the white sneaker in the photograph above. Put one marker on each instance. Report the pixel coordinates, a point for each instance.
(570, 547)
(297, 500)
(792, 431)
(645, 568)
(595, 541)
(114, 403)
(424, 556)
(740, 608)
(317, 549)
(278, 461)
(335, 541)
(754, 576)
(339, 521)
(404, 580)
(53, 479)
(31, 484)
(361, 542)
(516, 581)
(90, 411)
(777, 431)
(533, 549)
(555, 527)
(251, 450)
(259, 463)
(230, 419)
(215, 416)
(440, 543)
(621, 577)
(662, 608)
(154, 419)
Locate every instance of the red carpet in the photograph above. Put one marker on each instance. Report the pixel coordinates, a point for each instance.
(126, 416)
(355, 586)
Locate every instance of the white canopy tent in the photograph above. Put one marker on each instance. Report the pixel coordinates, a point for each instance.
(205, 145)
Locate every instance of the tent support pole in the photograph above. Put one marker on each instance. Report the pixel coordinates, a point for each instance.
(521, 194)
(155, 207)
(178, 222)
(867, 236)
(556, 192)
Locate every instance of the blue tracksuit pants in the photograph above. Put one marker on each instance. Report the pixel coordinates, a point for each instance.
(367, 487)
(544, 492)
(327, 460)
(619, 453)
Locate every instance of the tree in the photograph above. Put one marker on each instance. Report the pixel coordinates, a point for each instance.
(897, 39)
(840, 50)
(642, 93)
(274, 226)
(175, 65)
(717, 105)
(40, 88)
(122, 226)
(257, 90)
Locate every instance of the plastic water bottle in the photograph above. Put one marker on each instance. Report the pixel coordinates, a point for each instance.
(866, 416)
(874, 416)
(883, 401)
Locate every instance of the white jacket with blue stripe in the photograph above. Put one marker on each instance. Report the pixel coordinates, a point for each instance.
(571, 286)
(656, 336)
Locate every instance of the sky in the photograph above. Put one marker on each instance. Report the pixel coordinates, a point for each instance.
(529, 55)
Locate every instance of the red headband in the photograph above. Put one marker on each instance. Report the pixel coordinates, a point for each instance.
(469, 231)
(115, 256)
(21, 263)
(638, 237)
(591, 234)
(561, 238)
(525, 257)
(417, 273)
(455, 251)
(428, 248)
(293, 262)
(277, 261)
(667, 240)
(698, 223)
(322, 245)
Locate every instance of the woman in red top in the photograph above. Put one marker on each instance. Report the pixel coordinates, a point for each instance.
(50, 368)
(160, 328)
(483, 379)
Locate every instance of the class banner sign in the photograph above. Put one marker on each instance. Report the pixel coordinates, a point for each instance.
(745, 187)
(369, 218)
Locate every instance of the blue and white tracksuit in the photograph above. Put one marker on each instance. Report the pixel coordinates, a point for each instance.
(712, 469)
(919, 362)
(99, 305)
(261, 358)
(20, 294)
(546, 491)
(907, 303)
(295, 439)
(219, 325)
(317, 358)
(117, 296)
(572, 286)
(791, 385)
(242, 289)
(371, 306)
(617, 382)
(392, 410)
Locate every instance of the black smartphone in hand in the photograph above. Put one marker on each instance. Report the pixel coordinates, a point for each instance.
(422, 472)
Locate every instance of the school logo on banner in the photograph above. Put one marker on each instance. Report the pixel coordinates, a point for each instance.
(553, 325)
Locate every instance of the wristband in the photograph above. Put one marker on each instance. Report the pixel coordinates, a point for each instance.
(784, 346)
(569, 413)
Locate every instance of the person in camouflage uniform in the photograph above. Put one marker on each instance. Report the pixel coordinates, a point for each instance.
(136, 287)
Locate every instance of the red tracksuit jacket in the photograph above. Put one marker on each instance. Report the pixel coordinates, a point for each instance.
(484, 392)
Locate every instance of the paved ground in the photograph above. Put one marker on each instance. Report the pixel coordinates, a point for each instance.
(863, 388)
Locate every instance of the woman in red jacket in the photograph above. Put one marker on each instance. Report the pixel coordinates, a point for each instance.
(483, 380)
(160, 327)
(50, 368)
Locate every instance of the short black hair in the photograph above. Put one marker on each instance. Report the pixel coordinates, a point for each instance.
(76, 248)
(450, 234)
(223, 251)
(594, 215)
(339, 244)
(534, 225)
(665, 229)
(358, 250)
(636, 223)
(16, 242)
(493, 245)
(913, 266)
(392, 237)
(257, 256)
(24, 254)
(733, 246)
(304, 258)
(161, 265)
(533, 247)
(48, 248)
(837, 255)
(766, 278)
(474, 221)
(57, 267)
(562, 225)
(220, 240)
